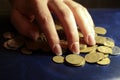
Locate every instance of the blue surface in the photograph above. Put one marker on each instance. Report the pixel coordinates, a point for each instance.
(39, 66)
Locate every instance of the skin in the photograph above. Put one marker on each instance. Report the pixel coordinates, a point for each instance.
(69, 13)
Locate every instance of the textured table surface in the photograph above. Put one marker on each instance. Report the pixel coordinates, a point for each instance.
(39, 66)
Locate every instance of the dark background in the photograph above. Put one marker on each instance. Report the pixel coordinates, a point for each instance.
(5, 6)
(100, 3)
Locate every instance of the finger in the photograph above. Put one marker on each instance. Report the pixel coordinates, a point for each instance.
(44, 18)
(84, 21)
(23, 25)
(66, 17)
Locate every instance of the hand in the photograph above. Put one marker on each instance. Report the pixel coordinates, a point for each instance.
(68, 12)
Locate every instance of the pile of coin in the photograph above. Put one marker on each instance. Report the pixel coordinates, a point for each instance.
(25, 45)
(98, 53)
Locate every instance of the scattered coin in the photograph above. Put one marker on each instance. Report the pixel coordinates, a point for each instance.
(109, 39)
(100, 40)
(101, 55)
(104, 49)
(88, 49)
(58, 59)
(104, 61)
(81, 64)
(115, 50)
(83, 46)
(8, 35)
(5, 45)
(13, 44)
(92, 58)
(100, 30)
(74, 59)
(109, 43)
(98, 53)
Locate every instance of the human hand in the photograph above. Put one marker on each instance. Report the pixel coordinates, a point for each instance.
(68, 12)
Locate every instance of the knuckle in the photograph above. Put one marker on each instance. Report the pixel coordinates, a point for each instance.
(46, 19)
(76, 7)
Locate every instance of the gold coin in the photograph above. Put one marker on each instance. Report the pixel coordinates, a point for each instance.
(5, 45)
(8, 35)
(42, 37)
(101, 55)
(88, 49)
(24, 50)
(104, 49)
(14, 44)
(58, 59)
(80, 64)
(100, 30)
(109, 43)
(104, 61)
(96, 34)
(100, 39)
(80, 34)
(83, 46)
(74, 59)
(58, 27)
(92, 58)
(106, 55)
(93, 51)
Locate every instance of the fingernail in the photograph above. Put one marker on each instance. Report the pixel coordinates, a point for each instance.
(91, 40)
(57, 49)
(75, 47)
